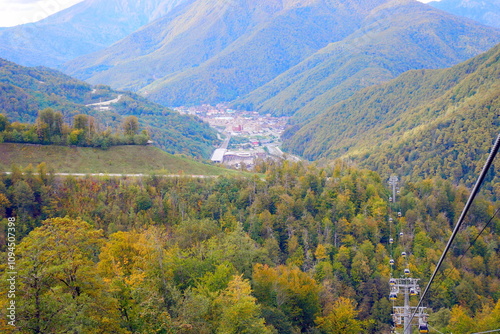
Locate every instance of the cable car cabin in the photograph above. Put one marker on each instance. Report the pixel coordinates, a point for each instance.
(399, 214)
(393, 296)
(407, 271)
(390, 219)
(392, 281)
(390, 199)
(423, 328)
(413, 292)
(391, 262)
(403, 254)
(401, 233)
(391, 240)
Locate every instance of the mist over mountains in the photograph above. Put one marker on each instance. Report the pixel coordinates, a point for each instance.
(222, 51)
(79, 30)
(485, 11)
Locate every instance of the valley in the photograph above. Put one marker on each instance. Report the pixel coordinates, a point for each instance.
(251, 167)
(247, 135)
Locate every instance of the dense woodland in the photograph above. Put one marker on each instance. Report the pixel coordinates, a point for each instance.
(425, 123)
(294, 249)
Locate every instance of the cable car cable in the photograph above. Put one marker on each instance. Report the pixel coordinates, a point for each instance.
(471, 244)
(472, 196)
(477, 237)
(434, 329)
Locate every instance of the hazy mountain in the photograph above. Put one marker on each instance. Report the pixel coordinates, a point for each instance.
(217, 50)
(81, 29)
(394, 38)
(484, 11)
(425, 122)
(26, 90)
(207, 52)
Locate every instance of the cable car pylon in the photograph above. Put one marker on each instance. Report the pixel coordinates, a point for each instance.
(406, 285)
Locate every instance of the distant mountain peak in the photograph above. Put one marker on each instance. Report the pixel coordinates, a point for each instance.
(81, 29)
(485, 11)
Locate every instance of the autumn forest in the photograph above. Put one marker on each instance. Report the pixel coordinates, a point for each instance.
(293, 249)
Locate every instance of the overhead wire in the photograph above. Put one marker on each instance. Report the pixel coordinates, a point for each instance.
(435, 329)
(477, 237)
(472, 243)
(472, 196)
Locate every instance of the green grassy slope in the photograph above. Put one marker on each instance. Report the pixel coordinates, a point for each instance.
(117, 159)
(388, 44)
(425, 122)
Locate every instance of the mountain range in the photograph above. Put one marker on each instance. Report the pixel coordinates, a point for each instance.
(300, 58)
(216, 51)
(423, 123)
(78, 30)
(387, 44)
(281, 56)
(485, 11)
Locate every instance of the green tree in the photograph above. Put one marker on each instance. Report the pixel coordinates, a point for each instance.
(24, 199)
(130, 125)
(58, 289)
(341, 318)
(239, 313)
(81, 122)
(4, 122)
(49, 125)
(460, 321)
(127, 263)
(290, 290)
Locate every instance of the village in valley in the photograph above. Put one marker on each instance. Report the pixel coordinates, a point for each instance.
(247, 135)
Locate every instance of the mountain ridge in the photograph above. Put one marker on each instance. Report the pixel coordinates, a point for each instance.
(265, 34)
(365, 58)
(485, 11)
(414, 124)
(81, 29)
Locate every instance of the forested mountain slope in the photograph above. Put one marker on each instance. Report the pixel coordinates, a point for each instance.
(394, 38)
(302, 250)
(24, 91)
(218, 50)
(208, 52)
(423, 123)
(81, 29)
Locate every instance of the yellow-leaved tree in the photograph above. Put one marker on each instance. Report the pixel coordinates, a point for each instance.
(341, 318)
(239, 312)
(57, 288)
(135, 267)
